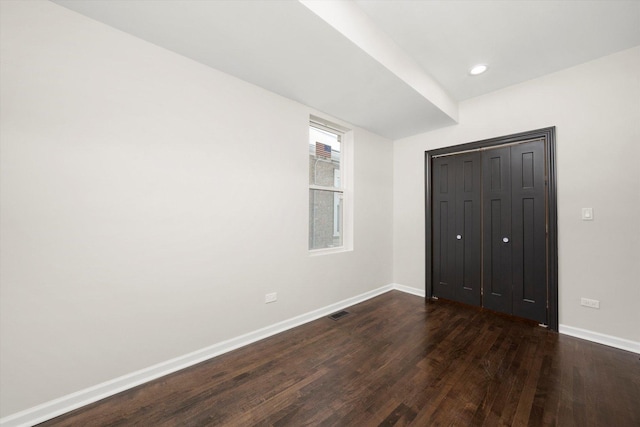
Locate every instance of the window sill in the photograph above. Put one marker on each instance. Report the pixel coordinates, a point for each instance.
(328, 251)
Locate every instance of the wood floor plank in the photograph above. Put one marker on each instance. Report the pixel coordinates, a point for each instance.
(395, 360)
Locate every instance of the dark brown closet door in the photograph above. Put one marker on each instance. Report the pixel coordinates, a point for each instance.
(496, 203)
(457, 227)
(468, 228)
(529, 231)
(514, 237)
(444, 273)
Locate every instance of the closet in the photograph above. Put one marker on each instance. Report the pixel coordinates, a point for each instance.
(490, 205)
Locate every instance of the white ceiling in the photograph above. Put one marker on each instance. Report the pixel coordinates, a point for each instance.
(520, 40)
(396, 68)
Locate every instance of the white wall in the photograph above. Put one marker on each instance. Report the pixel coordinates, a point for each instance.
(148, 203)
(596, 108)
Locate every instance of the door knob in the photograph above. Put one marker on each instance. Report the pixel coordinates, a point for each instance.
(459, 237)
(505, 239)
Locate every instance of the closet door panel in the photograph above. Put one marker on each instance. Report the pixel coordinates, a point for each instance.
(468, 228)
(496, 240)
(529, 231)
(444, 241)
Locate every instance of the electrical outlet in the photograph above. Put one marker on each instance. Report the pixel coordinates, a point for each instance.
(272, 297)
(592, 303)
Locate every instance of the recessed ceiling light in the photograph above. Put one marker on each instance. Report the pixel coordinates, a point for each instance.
(478, 69)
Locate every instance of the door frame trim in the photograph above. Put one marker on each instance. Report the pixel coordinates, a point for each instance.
(549, 136)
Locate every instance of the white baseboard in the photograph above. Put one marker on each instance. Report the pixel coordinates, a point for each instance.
(599, 338)
(409, 290)
(62, 405)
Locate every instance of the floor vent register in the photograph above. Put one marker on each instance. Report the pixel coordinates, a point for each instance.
(338, 315)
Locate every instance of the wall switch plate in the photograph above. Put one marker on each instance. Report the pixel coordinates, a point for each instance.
(587, 214)
(592, 303)
(272, 297)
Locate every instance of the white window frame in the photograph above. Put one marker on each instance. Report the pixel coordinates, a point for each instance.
(345, 188)
(337, 213)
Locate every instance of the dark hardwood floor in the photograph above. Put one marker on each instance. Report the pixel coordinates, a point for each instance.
(394, 360)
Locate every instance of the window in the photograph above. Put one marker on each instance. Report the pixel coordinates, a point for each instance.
(327, 195)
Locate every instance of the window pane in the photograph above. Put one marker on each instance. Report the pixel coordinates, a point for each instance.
(324, 158)
(325, 219)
